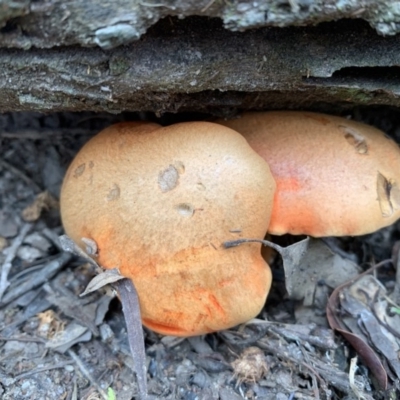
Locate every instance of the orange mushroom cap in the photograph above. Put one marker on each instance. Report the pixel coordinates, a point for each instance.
(334, 177)
(159, 203)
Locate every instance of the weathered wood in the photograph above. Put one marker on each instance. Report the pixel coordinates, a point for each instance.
(49, 23)
(197, 65)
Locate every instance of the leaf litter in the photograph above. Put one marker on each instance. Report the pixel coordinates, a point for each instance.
(56, 343)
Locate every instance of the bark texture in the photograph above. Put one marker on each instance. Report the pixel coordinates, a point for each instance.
(197, 65)
(49, 23)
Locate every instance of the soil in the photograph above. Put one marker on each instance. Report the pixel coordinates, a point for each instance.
(55, 344)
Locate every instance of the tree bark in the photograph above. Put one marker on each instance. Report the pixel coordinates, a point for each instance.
(197, 65)
(50, 23)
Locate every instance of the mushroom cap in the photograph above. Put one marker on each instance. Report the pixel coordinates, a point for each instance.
(159, 202)
(334, 177)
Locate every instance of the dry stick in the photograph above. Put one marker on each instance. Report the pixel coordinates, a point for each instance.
(207, 6)
(313, 377)
(53, 237)
(20, 175)
(75, 391)
(33, 134)
(131, 309)
(282, 354)
(22, 339)
(396, 292)
(47, 272)
(11, 253)
(43, 369)
(87, 374)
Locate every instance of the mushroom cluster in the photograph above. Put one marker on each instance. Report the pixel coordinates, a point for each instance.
(159, 202)
(334, 177)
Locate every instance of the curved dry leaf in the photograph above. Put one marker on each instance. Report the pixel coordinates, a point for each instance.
(104, 278)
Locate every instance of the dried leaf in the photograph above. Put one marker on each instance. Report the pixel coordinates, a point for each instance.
(171, 341)
(102, 309)
(199, 345)
(131, 309)
(211, 362)
(43, 201)
(72, 334)
(91, 246)
(49, 324)
(3, 243)
(385, 314)
(382, 340)
(104, 278)
(70, 305)
(68, 245)
(291, 255)
(369, 295)
(318, 263)
(310, 333)
(362, 348)
(306, 263)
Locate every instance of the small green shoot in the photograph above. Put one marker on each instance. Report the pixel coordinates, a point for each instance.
(111, 394)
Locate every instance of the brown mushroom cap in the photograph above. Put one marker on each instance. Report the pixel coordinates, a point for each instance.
(334, 177)
(159, 203)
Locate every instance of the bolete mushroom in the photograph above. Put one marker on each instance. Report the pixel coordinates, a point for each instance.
(159, 202)
(335, 177)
